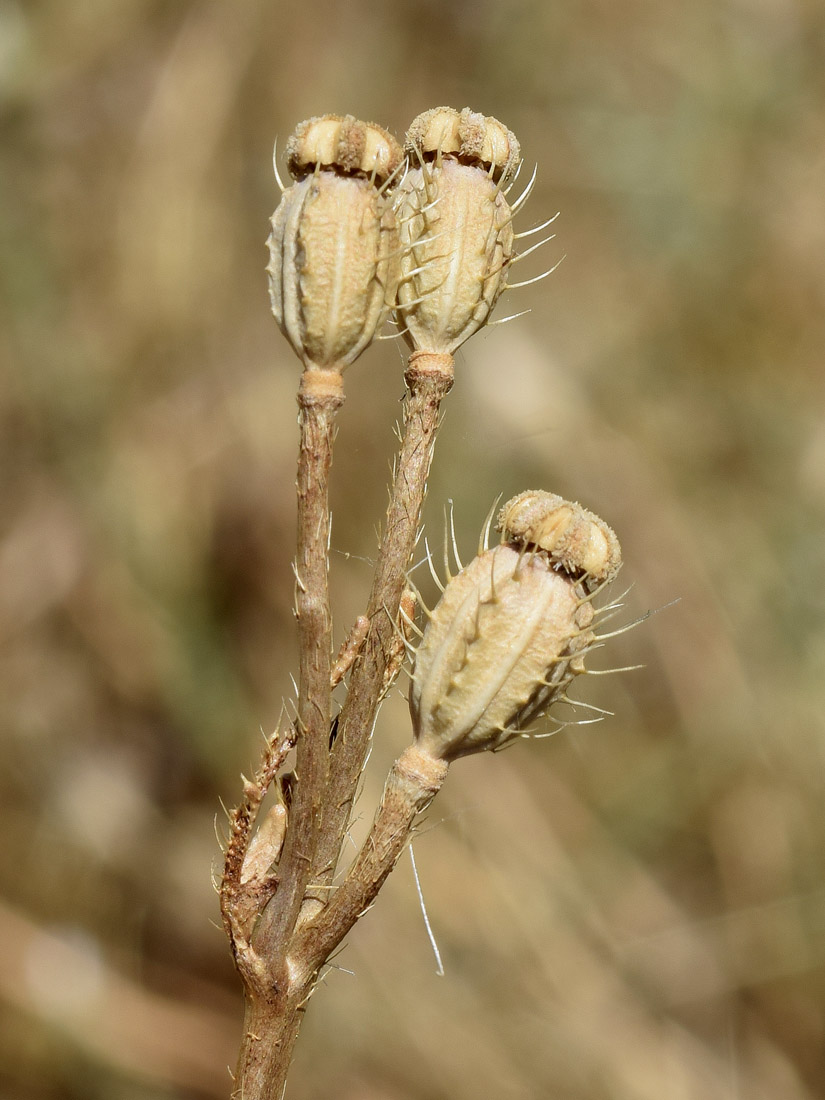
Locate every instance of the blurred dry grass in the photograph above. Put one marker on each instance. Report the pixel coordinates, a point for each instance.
(632, 911)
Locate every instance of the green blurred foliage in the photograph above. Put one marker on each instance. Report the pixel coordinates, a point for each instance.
(627, 911)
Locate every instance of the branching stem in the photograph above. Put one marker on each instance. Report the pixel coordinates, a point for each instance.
(429, 378)
(304, 921)
(319, 398)
(413, 782)
(273, 1018)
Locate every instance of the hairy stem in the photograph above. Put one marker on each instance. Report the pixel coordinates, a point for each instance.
(429, 378)
(414, 780)
(273, 1017)
(319, 398)
(270, 1028)
(290, 944)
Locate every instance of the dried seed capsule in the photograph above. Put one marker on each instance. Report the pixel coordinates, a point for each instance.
(503, 643)
(333, 267)
(575, 540)
(455, 226)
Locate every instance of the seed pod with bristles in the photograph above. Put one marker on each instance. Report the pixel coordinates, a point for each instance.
(333, 268)
(502, 645)
(455, 226)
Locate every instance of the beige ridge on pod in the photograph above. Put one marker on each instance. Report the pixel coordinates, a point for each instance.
(333, 268)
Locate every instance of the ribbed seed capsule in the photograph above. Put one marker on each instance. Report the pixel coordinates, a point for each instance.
(333, 267)
(455, 226)
(503, 643)
(512, 629)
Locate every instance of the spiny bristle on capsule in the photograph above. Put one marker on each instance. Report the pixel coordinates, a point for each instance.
(525, 195)
(510, 317)
(278, 179)
(523, 255)
(513, 628)
(433, 573)
(536, 229)
(484, 535)
(536, 278)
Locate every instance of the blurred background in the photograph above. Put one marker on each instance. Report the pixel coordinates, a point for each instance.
(632, 910)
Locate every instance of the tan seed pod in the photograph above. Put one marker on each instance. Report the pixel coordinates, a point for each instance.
(503, 643)
(455, 226)
(574, 539)
(333, 247)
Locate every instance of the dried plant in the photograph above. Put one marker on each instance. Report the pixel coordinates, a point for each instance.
(426, 232)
